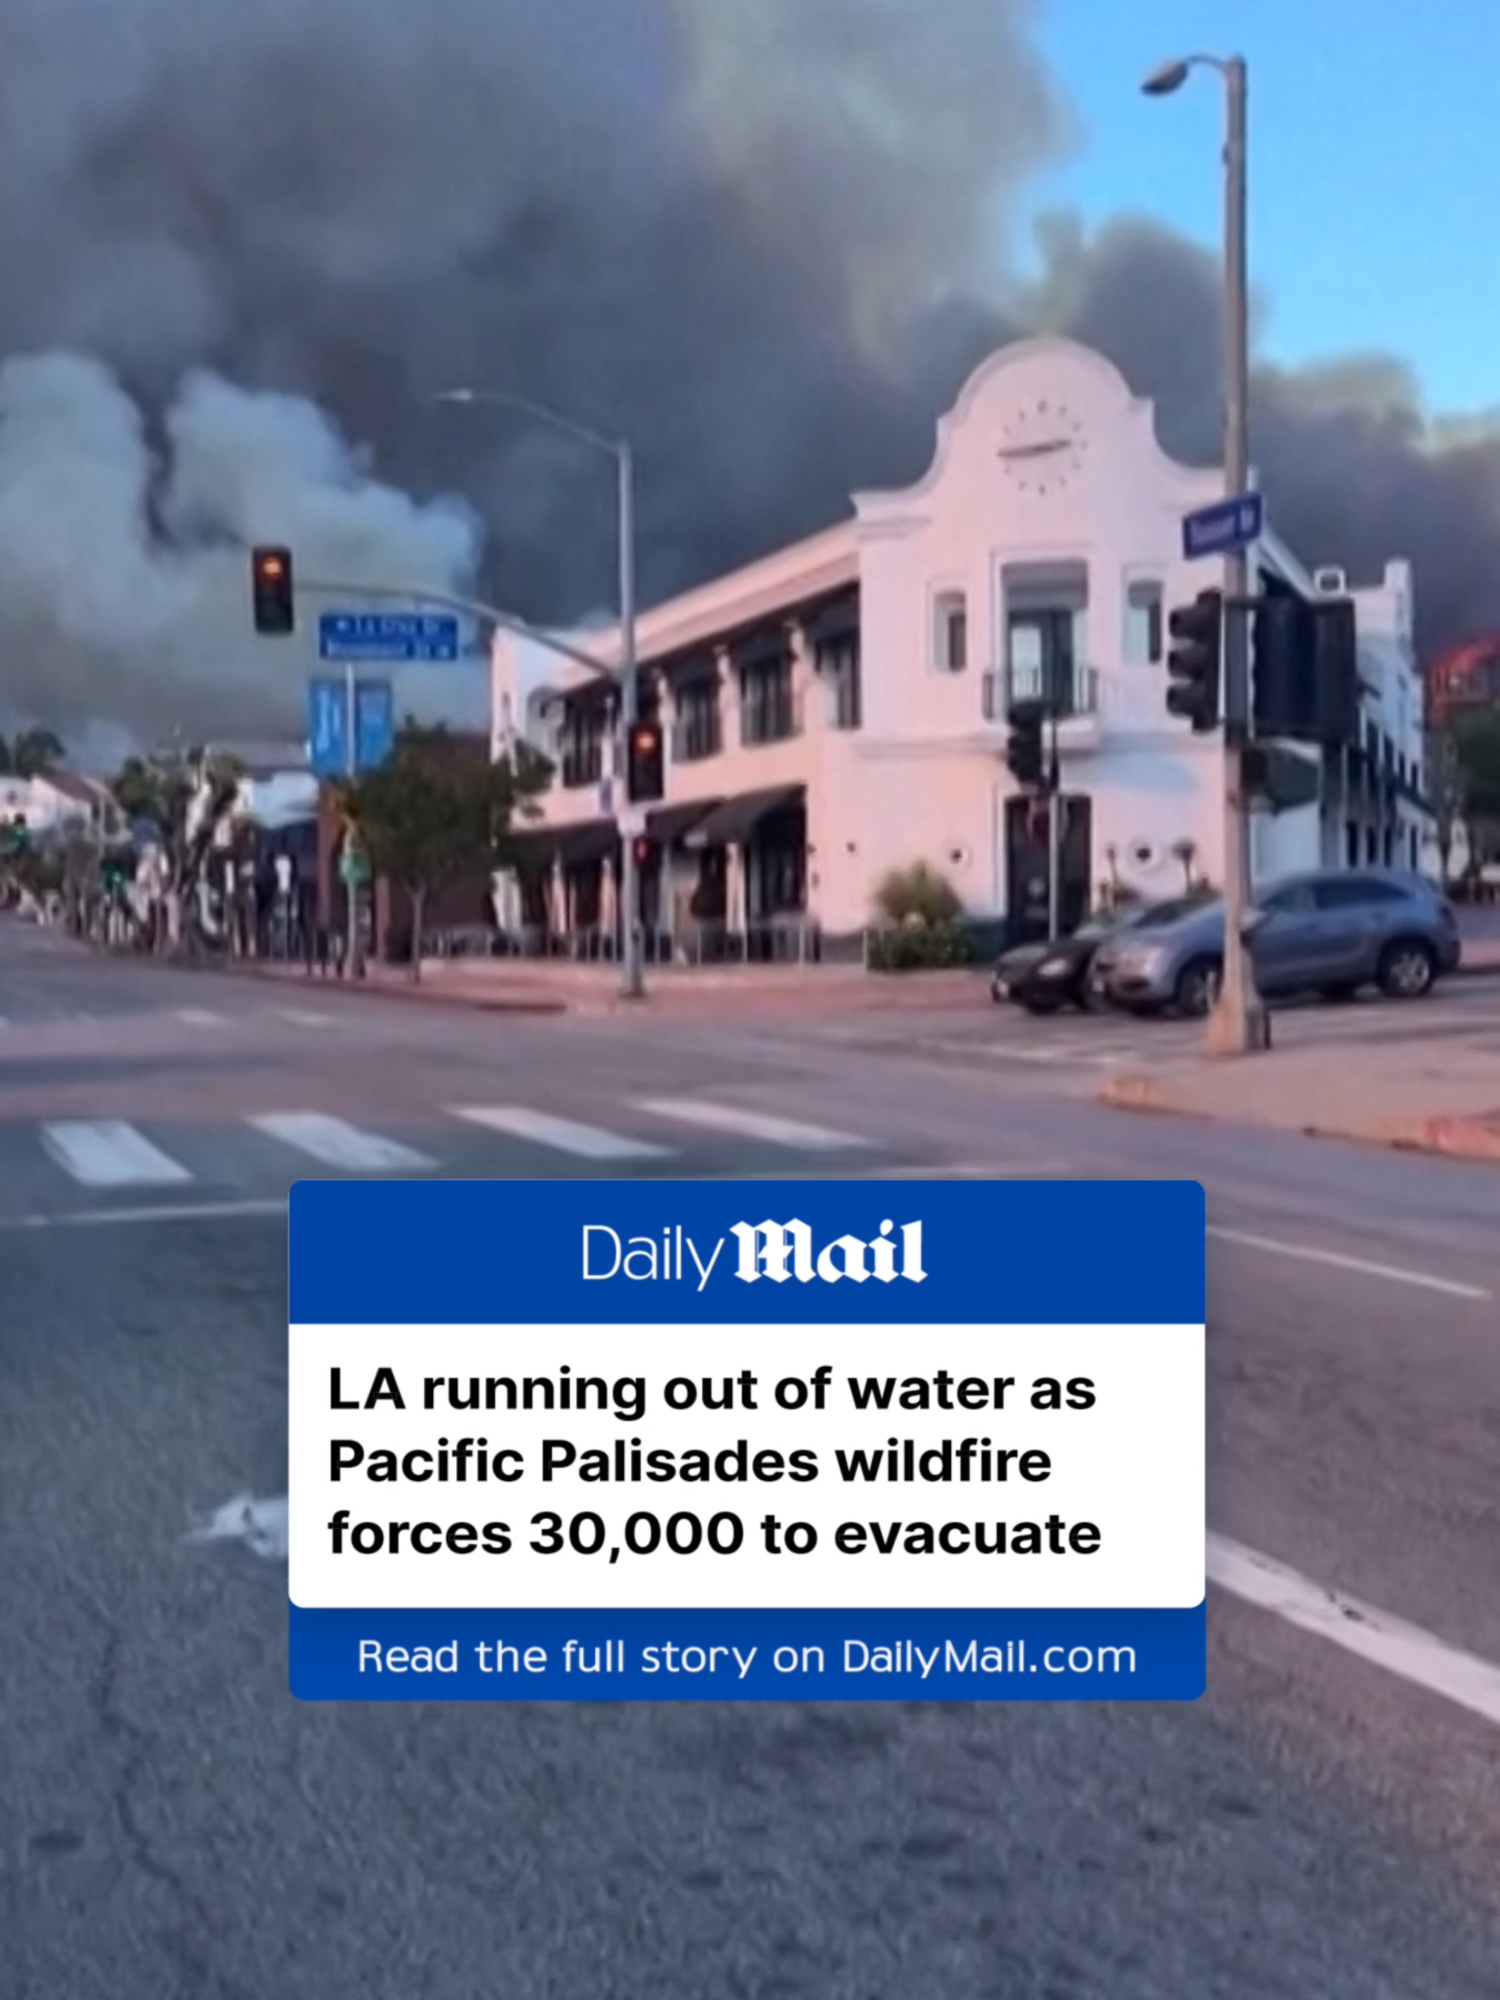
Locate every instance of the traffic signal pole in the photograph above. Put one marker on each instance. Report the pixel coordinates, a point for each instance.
(632, 983)
(1054, 841)
(1239, 1024)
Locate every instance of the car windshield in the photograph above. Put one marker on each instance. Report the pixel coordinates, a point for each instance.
(1162, 914)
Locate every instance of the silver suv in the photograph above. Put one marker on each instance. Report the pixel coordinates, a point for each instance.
(1329, 933)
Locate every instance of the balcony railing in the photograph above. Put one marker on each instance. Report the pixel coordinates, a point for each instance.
(1074, 691)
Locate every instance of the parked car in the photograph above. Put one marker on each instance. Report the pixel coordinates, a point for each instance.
(1043, 977)
(1332, 933)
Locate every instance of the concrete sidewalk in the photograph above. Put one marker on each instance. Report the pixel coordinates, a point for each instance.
(525, 986)
(1427, 1096)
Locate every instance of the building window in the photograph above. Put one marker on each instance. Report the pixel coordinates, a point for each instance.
(581, 744)
(950, 632)
(1143, 623)
(838, 669)
(1046, 634)
(768, 711)
(698, 732)
(1041, 661)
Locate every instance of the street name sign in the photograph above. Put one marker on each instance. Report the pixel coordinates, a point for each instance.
(1227, 524)
(393, 636)
(746, 1440)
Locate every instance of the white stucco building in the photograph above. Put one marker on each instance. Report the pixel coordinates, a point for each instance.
(840, 708)
(59, 802)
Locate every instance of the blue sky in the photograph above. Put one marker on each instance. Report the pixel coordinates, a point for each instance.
(1374, 149)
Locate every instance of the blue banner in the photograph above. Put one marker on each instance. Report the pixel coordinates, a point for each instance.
(328, 728)
(374, 723)
(471, 1252)
(508, 1655)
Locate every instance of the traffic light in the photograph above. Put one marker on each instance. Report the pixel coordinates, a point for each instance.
(645, 852)
(271, 591)
(1023, 753)
(1306, 670)
(644, 774)
(1195, 661)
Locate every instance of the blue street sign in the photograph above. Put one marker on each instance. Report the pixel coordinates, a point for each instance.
(1227, 524)
(396, 636)
(328, 728)
(374, 723)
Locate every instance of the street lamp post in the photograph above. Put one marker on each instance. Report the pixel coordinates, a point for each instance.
(632, 983)
(1240, 1024)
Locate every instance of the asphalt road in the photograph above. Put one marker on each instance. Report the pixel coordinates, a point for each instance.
(177, 1826)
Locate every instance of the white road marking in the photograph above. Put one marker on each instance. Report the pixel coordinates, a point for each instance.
(100, 1218)
(744, 1124)
(1405, 1650)
(199, 1017)
(585, 1142)
(109, 1153)
(1336, 1260)
(335, 1143)
(260, 1524)
(300, 1017)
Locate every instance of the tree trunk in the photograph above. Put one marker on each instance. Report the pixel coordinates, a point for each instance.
(418, 907)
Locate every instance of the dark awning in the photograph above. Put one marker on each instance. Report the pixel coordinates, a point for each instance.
(833, 621)
(668, 824)
(579, 846)
(737, 819)
(530, 850)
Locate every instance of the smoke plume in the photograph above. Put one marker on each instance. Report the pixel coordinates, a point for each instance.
(766, 240)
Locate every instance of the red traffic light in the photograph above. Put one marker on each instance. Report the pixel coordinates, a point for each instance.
(271, 591)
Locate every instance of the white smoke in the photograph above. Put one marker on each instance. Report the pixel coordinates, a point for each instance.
(124, 573)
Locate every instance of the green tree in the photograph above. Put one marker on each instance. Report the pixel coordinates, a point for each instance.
(438, 809)
(183, 794)
(31, 753)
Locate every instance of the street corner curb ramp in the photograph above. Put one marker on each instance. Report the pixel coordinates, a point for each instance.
(1462, 1138)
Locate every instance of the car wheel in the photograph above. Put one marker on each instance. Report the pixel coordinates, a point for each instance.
(1198, 987)
(1407, 969)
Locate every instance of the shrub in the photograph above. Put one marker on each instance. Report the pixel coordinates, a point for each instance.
(918, 948)
(917, 895)
(918, 922)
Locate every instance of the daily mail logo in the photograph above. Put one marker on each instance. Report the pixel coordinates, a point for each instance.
(778, 1251)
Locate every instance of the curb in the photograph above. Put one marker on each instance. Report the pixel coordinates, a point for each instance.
(1453, 1138)
(382, 989)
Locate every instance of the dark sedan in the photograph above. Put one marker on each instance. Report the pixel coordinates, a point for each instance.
(1044, 977)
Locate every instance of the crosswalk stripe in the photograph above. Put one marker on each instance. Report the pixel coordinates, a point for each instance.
(733, 1118)
(109, 1153)
(585, 1142)
(300, 1017)
(199, 1017)
(336, 1143)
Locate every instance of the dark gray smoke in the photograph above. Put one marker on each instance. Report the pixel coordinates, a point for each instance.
(1354, 473)
(763, 237)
